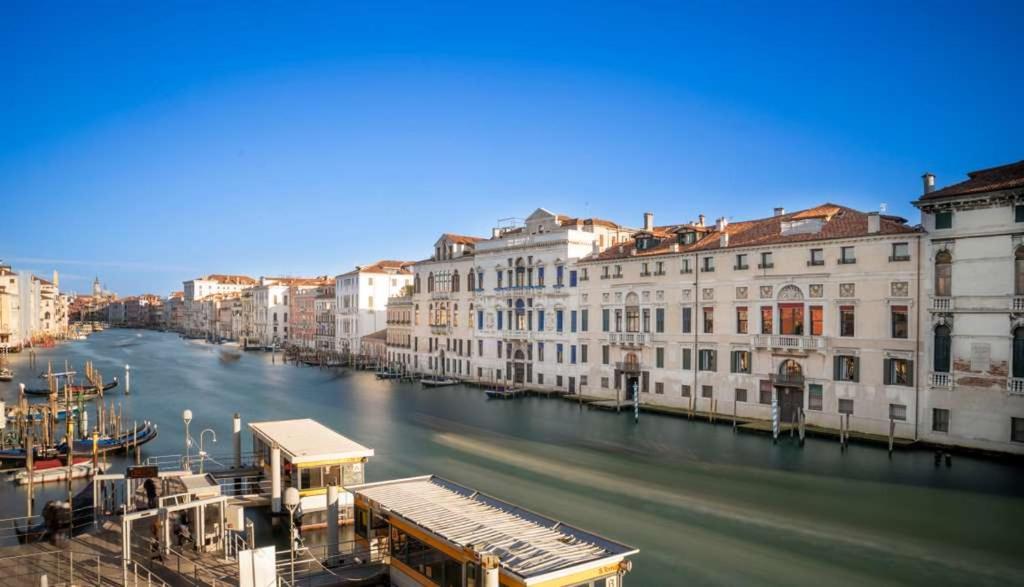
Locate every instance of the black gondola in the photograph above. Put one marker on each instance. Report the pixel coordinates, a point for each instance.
(86, 390)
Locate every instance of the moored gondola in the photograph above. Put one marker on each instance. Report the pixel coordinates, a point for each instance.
(85, 390)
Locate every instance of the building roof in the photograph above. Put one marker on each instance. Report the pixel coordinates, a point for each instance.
(386, 266)
(379, 336)
(836, 222)
(229, 279)
(460, 239)
(992, 179)
(306, 440)
(529, 545)
(567, 221)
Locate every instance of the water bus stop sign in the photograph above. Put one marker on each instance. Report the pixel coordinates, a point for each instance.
(141, 472)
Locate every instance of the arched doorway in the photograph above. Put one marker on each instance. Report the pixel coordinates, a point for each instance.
(789, 387)
(631, 371)
(519, 367)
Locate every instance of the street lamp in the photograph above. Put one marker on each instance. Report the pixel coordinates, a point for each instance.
(202, 453)
(186, 417)
(291, 503)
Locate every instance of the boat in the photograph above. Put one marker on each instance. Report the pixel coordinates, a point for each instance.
(6, 374)
(84, 390)
(438, 381)
(140, 435)
(388, 375)
(504, 392)
(229, 355)
(56, 470)
(37, 416)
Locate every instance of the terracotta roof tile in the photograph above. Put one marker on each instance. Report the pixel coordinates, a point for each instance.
(461, 239)
(984, 180)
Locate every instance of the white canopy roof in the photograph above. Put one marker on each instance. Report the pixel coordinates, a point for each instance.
(306, 441)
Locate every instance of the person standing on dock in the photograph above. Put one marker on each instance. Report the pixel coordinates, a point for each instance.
(150, 488)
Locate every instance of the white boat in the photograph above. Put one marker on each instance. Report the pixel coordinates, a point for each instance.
(438, 381)
(78, 470)
(6, 374)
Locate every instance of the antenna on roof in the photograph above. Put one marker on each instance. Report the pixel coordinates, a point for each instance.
(882, 207)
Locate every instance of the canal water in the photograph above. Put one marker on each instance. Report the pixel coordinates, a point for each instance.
(704, 505)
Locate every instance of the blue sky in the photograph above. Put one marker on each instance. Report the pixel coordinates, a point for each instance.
(152, 142)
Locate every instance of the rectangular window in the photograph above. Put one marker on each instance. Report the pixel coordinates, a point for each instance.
(572, 354)
(659, 319)
(500, 316)
(480, 320)
(817, 320)
(659, 388)
(899, 372)
(1018, 213)
(559, 314)
(583, 353)
(685, 267)
(707, 391)
(605, 319)
(709, 320)
(572, 279)
(686, 359)
(940, 420)
(900, 252)
(584, 319)
(847, 256)
(559, 272)
(817, 257)
(659, 358)
(846, 406)
(709, 264)
(845, 368)
(766, 320)
(741, 262)
(480, 348)
(604, 383)
(741, 395)
(943, 220)
(766, 261)
(791, 319)
(540, 320)
(572, 320)
(741, 320)
(1017, 429)
(740, 362)
(540, 352)
(900, 321)
(815, 400)
(708, 360)
(500, 347)
(765, 393)
(898, 412)
(604, 354)
(687, 320)
(846, 321)
(684, 390)
(646, 313)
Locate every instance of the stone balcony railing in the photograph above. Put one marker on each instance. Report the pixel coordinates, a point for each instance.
(787, 379)
(518, 334)
(941, 380)
(629, 338)
(941, 304)
(1015, 385)
(628, 366)
(790, 342)
(440, 328)
(1017, 304)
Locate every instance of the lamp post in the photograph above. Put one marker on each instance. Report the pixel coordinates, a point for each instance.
(202, 453)
(186, 417)
(291, 502)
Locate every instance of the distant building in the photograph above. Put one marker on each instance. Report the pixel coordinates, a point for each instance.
(196, 290)
(361, 300)
(400, 329)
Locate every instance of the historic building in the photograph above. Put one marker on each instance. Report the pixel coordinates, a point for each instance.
(400, 329)
(361, 297)
(973, 318)
(196, 290)
(814, 308)
(302, 324)
(323, 307)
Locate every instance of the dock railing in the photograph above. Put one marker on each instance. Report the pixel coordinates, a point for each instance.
(67, 568)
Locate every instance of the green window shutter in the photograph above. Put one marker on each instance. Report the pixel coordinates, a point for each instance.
(910, 372)
(835, 368)
(886, 372)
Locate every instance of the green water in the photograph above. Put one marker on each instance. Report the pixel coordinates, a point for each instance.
(704, 505)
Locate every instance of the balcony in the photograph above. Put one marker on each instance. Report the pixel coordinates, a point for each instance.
(790, 342)
(628, 366)
(686, 271)
(941, 304)
(816, 263)
(898, 258)
(517, 334)
(740, 267)
(847, 261)
(1015, 385)
(765, 265)
(629, 338)
(440, 329)
(440, 295)
(1017, 304)
(941, 380)
(787, 379)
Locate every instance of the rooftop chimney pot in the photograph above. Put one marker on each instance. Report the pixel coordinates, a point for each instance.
(779, 211)
(700, 220)
(929, 182)
(648, 221)
(874, 223)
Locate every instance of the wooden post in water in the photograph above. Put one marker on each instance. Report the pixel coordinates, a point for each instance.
(70, 432)
(734, 415)
(30, 471)
(803, 422)
(892, 433)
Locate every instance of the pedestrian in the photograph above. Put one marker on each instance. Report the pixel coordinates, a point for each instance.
(183, 533)
(150, 488)
(158, 553)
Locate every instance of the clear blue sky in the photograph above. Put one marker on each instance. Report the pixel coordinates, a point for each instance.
(150, 142)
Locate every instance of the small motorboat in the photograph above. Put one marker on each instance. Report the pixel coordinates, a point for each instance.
(438, 381)
(55, 470)
(6, 374)
(504, 392)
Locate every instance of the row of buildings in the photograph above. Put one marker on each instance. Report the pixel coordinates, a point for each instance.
(32, 309)
(840, 314)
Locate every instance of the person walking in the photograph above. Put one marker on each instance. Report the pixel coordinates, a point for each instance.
(150, 488)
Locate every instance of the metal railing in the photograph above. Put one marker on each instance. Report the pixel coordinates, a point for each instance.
(941, 380)
(629, 338)
(67, 567)
(1015, 385)
(790, 342)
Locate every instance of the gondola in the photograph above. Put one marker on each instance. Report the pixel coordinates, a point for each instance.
(86, 390)
(438, 381)
(140, 435)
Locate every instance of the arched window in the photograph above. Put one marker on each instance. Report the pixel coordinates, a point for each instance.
(416, 285)
(943, 346)
(632, 313)
(455, 281)
(1018, 352)
(520, 315)
(1018, 271)
(471, 281)
(430, 282)
(790, 367)
(943, 274)
(520, 274)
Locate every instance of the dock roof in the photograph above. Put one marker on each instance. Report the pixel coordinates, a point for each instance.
(529, 545)
(305, 441)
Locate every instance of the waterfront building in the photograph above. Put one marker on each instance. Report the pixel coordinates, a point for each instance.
(361, 300)
(813, 309)
(323, 307)
(400, 328)
(374, 345)
(442, 297)
(441, 533)
(270, 312)
(197, 289)
(174, 311)
(115, 313)
(527, 317)
(973, 312)
(10, 312)
(302, 327)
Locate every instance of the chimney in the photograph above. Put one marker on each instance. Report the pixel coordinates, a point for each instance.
(721, 223)
(675, 247)
(929, 182)
(648, 221)
(723, 241)
(56, 279)
(495, 232)
(874, 223)
(779, 211)
(700, 220)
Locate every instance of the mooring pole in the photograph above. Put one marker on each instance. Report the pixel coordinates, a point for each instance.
(127, 379)
(236, 437)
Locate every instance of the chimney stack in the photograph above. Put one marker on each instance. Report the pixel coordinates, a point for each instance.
(723, 241)
(874, 223)
(779, 211)
(721, 223)
(648, 221)
(929, 182)
(700, 220)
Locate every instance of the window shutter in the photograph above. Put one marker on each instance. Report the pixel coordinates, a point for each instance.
(713, 358)
(644, 378)
(886, 369)
(835, 368)
(910, 372)
(618, 379)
